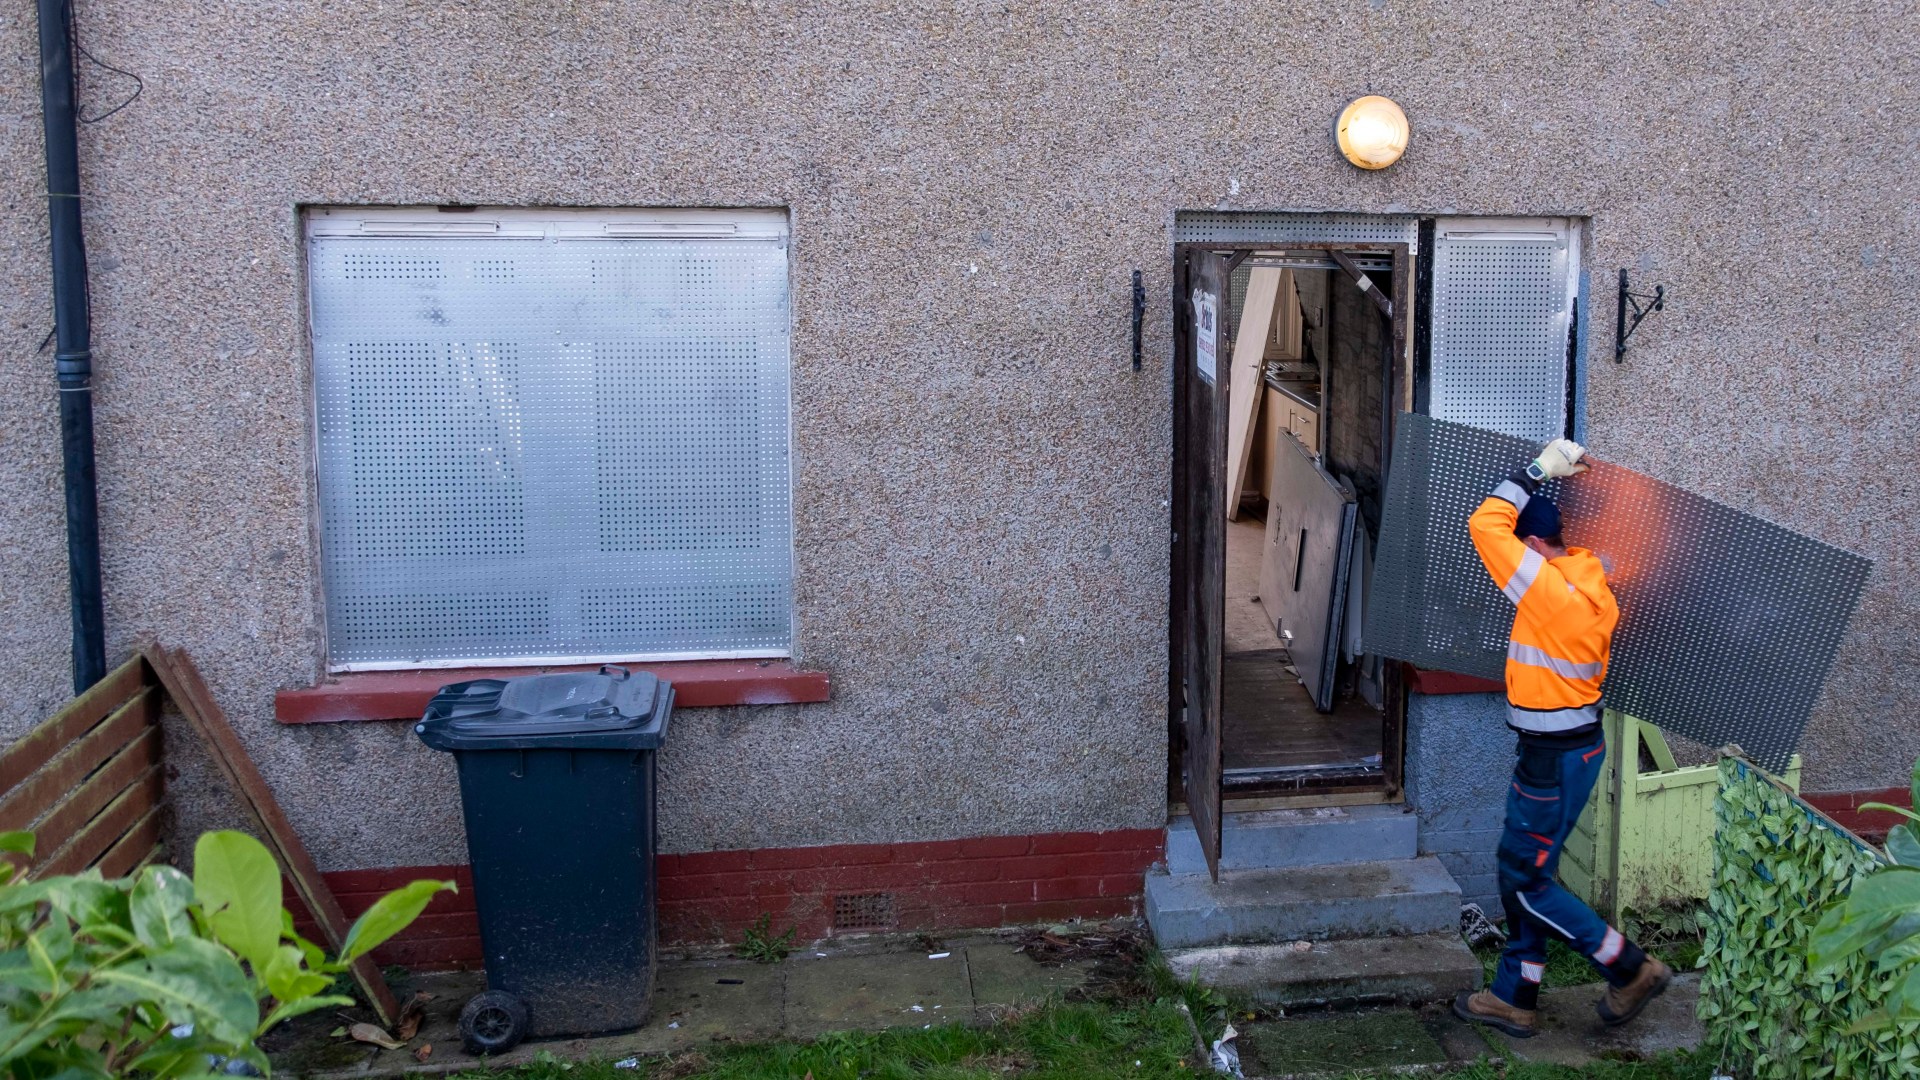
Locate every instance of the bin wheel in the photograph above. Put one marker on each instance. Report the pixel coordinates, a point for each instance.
(493, 1022)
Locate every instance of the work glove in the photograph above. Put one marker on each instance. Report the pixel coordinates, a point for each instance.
(1561, 458)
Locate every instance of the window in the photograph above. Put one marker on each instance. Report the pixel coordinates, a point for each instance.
(1504, 292)
(549, 436)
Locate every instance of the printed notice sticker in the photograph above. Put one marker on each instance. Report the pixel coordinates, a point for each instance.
(1205, 311)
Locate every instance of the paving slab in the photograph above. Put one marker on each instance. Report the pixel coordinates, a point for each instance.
(1003, 978)
(1570, 1031)
(887, 990)
(323, 1057)
(694, 1003)
(1461, 1040)
(1338, 1043)
(710, 1000)
(320, 1054)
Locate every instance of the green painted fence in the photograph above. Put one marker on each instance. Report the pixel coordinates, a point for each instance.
(1646, 838)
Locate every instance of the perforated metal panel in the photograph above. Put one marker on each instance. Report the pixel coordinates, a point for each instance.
(1432, 602)
(551, 445)
(1500, 321)
(1728, 623)
(1237, 284)
(1280, 228)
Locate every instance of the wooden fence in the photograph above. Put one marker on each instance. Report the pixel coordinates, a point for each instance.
(89, 782)
(1646, 837)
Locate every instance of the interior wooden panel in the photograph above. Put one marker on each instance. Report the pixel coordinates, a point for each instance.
(1265, 287)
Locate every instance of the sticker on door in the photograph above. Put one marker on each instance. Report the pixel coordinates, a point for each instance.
(1205, 314)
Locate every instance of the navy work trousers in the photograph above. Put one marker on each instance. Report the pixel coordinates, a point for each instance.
(1550, 789)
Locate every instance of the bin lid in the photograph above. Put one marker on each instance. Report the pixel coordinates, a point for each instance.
(613, 709)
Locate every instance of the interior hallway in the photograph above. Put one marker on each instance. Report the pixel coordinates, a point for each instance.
(1267, 718)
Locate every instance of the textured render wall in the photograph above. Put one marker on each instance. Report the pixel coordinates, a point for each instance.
(1459, 763)
(981, 540)
(34, 636)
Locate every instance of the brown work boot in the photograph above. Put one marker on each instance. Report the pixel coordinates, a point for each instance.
(1622, 1003)
(1481, 1007)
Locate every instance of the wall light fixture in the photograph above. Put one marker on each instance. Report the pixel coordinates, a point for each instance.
(1372, 132)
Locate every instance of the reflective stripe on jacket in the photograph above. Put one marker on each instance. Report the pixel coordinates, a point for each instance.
(1562, 623)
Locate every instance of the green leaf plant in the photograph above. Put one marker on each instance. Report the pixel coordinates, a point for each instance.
(158, 975)
(1804, 923)
(1880, 921)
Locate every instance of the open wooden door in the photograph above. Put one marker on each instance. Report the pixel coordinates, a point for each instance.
(1201, 535)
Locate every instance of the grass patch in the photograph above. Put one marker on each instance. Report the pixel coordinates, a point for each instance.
(1674, 934)
(1564, 966)
(1062, 1041)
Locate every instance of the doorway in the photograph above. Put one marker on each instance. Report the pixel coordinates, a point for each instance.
(1299, 339)
(1292, 365)
(1303, 708)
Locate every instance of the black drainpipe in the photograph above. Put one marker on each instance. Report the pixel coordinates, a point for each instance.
(73, 357)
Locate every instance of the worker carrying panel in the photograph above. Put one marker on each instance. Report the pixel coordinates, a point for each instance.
(1728, 623)
(1563, 620)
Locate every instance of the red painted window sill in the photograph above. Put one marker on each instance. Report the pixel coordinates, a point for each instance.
(403, 695)
(1446, 682)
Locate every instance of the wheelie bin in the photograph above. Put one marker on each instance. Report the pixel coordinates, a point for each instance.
(557, 788)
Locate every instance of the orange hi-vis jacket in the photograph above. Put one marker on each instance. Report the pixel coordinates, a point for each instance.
(1562, 625)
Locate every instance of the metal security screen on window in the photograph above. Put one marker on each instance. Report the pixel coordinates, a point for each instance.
(1502, 308)
(551, 436)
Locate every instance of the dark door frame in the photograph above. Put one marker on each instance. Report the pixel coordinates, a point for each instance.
(1399, 387)
(1202, 535)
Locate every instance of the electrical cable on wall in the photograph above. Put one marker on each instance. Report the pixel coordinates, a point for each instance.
(139, 84)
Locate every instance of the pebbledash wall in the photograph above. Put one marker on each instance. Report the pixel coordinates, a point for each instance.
(980, 477)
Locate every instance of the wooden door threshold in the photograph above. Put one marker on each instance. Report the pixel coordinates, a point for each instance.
(1237, 804)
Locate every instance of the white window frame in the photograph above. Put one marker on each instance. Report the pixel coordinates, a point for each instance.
(559, 223)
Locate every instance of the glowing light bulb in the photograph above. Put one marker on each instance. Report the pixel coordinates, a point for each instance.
(1372, 132)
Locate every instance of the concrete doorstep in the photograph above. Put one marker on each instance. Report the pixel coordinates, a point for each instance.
(1358, 899)
(1409, 969)
(697, 1002)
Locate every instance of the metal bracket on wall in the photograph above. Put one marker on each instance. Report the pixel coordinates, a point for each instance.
(1139, 314)
(1622, 328)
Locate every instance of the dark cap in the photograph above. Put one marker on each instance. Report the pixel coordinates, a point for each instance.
(1540, 517)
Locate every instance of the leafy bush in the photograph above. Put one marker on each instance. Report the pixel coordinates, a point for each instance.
(1773, 1015)
(1880, 920)
(154, 975)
